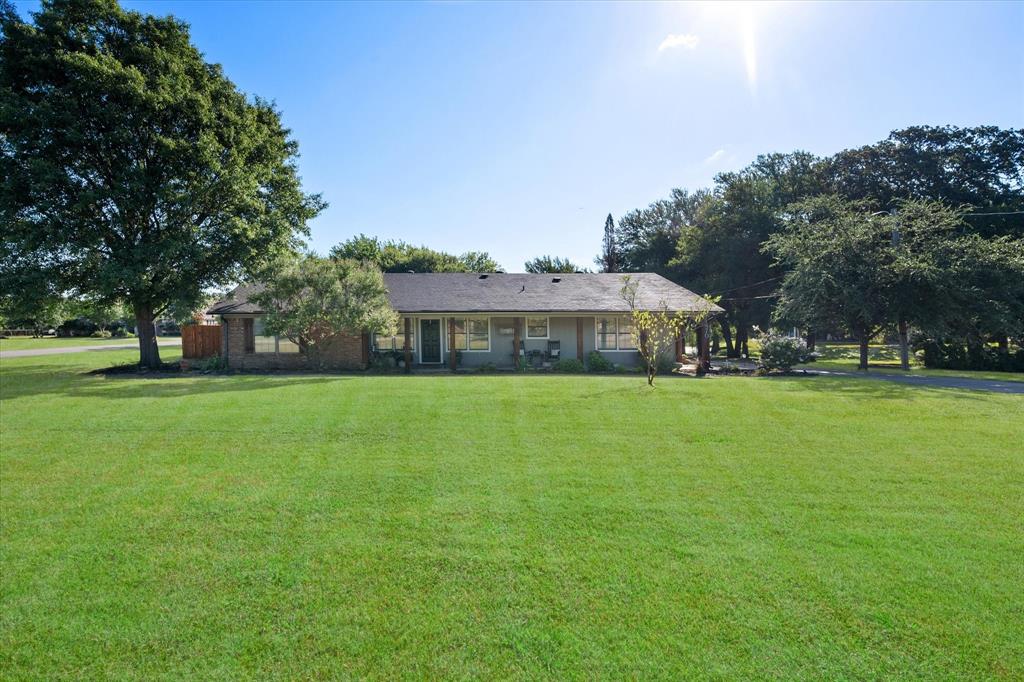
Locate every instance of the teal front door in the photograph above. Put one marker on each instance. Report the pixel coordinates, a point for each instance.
(430, 340)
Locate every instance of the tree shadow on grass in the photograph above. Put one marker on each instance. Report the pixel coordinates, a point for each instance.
(36, 380)
(877, 389)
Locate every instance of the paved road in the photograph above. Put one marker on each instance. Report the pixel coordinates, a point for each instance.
(57, 350)
(933, 381)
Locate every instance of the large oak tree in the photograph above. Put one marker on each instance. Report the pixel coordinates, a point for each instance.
(131, 168)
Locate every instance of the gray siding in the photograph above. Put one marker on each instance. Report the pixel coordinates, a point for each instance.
(560, 328)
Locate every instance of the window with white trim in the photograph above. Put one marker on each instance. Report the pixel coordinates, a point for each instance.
(396, 342)
(606, 334)
(479, 333)
(615, 333)
(536, 327)
(627, 340)
(472, 333)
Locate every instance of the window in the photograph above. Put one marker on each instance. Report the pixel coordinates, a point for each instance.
(479, 334)
(473, 333)
(536, 327)
(459, 327)
(396, 342)
(606, 333)
(626, 339)
(264, 343)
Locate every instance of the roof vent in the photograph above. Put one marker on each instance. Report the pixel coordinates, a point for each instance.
(556, 280)
(482, 277)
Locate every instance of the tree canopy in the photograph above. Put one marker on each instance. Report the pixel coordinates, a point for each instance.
(399, 256)
(542, 264)
(862, 270)
(712, 239)
(313, 300)
(132, 170)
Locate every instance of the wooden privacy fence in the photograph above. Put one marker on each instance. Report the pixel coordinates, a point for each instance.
(200, 340)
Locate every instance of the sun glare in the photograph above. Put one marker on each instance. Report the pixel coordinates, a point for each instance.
(740, 19)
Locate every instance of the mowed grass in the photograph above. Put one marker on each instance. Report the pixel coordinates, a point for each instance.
(225, 527)
(885, 359)
(29, 343)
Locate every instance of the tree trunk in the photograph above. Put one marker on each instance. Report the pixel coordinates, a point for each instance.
(864, 338)
(811, 340)
(149, 352)
(741, 341)
(715, 343)
(904, 346)
(727, 337)
(703, 351)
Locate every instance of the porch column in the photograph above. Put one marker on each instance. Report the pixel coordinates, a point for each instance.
(680, 345)
(515, 342)
(407, 348)
(451, 343)
(364, 344)
(579, 339)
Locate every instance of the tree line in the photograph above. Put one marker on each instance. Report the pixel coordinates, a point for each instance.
(923, 230)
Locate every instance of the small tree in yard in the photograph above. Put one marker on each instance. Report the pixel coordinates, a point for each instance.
(656, 330)
(313, 300)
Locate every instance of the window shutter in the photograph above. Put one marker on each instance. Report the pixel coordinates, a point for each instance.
(250, 337)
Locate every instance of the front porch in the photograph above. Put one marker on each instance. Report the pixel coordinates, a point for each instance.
(455, 341)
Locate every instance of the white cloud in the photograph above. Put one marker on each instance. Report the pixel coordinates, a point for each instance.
(687, 40)
(719, 153)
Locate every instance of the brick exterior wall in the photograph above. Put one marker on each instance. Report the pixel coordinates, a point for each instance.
(344, 352)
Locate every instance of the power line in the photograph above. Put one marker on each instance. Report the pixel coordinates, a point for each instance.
(747, 286)
(997, 213)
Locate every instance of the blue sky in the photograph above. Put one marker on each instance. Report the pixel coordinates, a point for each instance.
(516, 128)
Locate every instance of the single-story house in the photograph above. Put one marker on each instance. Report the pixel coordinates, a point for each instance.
(474, 319)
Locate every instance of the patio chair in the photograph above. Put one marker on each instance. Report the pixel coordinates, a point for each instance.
(554, 350)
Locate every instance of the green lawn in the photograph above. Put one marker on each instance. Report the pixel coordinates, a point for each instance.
(885, 359)
(505, 526)
(27, 343)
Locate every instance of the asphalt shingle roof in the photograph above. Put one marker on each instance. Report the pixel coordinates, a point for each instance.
(449, 292)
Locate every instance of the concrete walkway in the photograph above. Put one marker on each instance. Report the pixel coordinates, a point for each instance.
(58, 350)
(932, 381)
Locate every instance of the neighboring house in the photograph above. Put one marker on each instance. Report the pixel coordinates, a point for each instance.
(482, 317)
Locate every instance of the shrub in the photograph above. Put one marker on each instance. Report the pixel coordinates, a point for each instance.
(383, 362)
(79, 326)
(781, 352)
(569, 365)
(598, 363)
(101, 334)
(955, 354)
(122, 333)
(214, 363)
(487, 368)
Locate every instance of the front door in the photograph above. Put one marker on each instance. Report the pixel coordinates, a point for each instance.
(430, 340)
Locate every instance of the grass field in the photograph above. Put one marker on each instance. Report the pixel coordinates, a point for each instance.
(224, 527)
(27, 343)
(885, 359)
